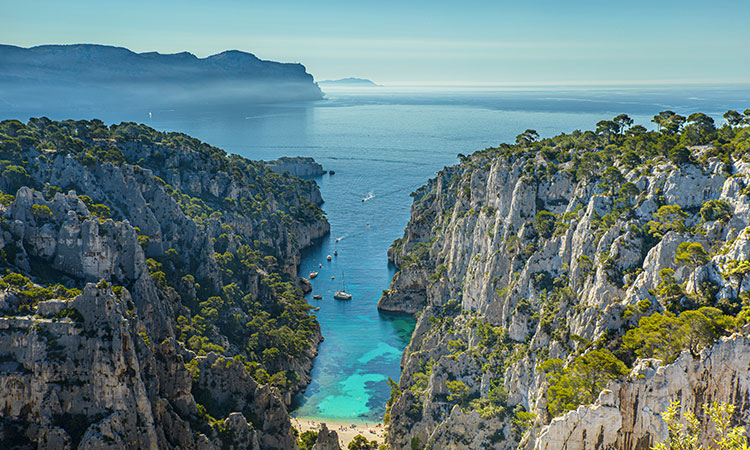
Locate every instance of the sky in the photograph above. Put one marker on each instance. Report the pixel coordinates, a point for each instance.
(422, 42)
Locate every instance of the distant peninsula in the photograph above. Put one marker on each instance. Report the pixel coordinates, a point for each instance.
(98, 75)
(350, 82)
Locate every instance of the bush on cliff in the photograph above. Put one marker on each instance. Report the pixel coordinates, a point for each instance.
(581, 381)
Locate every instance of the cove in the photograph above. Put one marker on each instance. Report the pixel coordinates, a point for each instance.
(383, 144)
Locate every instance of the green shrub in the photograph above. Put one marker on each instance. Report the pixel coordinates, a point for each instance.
(307, 440)
(664, 336)
(716, 210)
(544, 222)
(687, 436)
(580, 382)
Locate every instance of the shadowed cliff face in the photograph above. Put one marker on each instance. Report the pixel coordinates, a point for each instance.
(514, 258)
(97, 76)
(150, 291)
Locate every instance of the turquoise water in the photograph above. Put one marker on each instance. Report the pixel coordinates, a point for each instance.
(383, 144)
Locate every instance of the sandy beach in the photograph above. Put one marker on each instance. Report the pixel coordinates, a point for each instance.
(346, 431)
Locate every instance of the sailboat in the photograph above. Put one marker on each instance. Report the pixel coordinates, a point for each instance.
(342, 295)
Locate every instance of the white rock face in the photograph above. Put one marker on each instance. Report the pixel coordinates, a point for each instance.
(585, 428)
(476, 252)
(627, 417)
(63, 371)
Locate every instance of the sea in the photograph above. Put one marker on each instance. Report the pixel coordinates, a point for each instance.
(383, 143)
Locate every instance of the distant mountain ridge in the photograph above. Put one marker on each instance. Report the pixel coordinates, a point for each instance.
(351, 81)
(92, 73)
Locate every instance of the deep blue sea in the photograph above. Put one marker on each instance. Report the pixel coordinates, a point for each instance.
(383, 143)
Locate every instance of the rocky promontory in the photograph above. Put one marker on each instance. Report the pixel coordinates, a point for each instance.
(149, 290)
(93, 77)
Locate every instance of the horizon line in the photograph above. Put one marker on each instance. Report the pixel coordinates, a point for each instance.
(510, 84)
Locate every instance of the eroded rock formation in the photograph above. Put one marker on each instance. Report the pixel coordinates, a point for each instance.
(520, 255)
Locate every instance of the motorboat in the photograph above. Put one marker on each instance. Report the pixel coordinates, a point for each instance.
(313, 274)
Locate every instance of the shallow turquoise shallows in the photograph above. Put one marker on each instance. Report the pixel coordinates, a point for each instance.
(383, 144)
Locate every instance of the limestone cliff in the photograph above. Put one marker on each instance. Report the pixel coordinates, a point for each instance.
(150, 291)
(90, 77)
(627, 416)
(528, 254)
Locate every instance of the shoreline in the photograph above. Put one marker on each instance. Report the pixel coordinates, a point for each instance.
(346, 430)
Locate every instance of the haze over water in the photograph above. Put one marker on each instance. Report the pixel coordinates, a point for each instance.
(383, 143)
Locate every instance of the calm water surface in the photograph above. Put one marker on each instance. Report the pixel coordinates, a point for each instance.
(383, 143)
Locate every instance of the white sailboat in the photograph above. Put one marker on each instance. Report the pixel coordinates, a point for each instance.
(342, 294)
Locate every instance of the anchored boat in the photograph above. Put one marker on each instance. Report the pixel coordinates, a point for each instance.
(342, 294)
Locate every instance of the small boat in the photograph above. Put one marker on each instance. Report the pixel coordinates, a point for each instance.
(317, 297)
(342, 294)
(331, 172)
(338, 239)
(320, 265)
(315, 308)
(328, 257)
(313, 274)
(335, 253)
(332, 277)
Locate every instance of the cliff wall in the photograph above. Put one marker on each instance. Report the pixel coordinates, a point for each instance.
(150, 295)
(528, 254)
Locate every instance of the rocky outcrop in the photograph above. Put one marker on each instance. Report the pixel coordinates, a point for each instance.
(627, 416)
(91, 379)
(134, 308)
(80, 381)
(327, 439)
(298, 166)
(512, 258)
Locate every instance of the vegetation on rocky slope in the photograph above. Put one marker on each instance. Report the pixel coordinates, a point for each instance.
(687, 436)
(542, 270)
(215, 235)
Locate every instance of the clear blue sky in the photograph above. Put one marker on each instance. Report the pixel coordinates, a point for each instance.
(543, 41)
